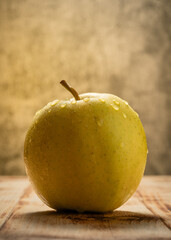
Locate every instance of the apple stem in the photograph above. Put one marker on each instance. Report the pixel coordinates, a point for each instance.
(70, 89)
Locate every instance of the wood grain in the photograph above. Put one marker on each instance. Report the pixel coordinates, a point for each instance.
(146, 215)
(11, 190)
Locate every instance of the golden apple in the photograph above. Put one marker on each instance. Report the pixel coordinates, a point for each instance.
(87, 153)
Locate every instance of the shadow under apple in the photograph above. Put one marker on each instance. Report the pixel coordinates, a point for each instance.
(110, 220)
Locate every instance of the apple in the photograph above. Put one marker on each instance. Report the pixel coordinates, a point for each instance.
(87, 153)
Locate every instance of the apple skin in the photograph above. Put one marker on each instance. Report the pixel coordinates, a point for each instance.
(86, 155)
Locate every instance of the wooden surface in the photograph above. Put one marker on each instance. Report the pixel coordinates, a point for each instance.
(147, 215)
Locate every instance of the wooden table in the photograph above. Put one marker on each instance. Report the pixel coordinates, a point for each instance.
(147, 215)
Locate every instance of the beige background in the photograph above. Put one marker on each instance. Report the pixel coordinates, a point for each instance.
(120, 46)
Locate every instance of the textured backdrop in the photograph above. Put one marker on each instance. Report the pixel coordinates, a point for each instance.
(120, 46)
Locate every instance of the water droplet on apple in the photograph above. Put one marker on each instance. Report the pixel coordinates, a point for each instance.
(116, 102)
(73, 102)
(30, 141)
(54, 102)
(37, 113)
(100, 122)
(147, 151)
(63, 105)
(49, 110)
(101, 100)
(126, 103)
(86, 99)
(124, 115)
(115, 107)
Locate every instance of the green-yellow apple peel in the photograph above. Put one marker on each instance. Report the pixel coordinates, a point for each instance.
(87, 153)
